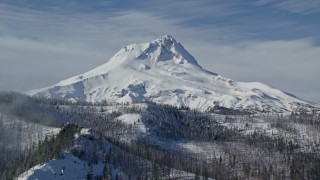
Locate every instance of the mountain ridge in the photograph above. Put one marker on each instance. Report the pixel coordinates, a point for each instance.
(162, 71)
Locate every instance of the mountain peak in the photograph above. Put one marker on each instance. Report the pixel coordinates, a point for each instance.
(165, 48)
(166, 40)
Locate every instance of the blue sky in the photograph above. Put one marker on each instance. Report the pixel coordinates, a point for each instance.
(271, 41)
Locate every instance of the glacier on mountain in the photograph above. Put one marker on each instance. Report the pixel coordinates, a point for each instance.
(162, 71)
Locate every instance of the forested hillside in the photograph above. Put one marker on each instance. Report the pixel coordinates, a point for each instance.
(148, 140)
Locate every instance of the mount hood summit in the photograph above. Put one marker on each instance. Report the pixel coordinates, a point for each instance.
(162, 71)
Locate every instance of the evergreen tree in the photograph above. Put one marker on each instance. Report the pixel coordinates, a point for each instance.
(107, 173)
(90, 172)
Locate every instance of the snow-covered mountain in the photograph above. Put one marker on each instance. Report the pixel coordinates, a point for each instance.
(162, 71)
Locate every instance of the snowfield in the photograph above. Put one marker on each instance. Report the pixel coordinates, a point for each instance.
(69, 167)
(134, 120)
(162, 71)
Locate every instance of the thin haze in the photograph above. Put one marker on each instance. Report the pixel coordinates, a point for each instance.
(275, 42)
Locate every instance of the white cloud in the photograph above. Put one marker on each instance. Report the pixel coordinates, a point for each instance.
(294, 6)
(264, 2)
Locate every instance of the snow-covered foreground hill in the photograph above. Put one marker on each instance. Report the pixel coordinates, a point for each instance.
(71, 167)
(68, 166)
(162, 71)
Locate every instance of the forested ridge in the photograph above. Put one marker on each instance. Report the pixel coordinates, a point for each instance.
(232, 147)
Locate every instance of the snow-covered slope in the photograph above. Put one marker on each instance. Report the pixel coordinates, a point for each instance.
(93, 145)
(164, 72)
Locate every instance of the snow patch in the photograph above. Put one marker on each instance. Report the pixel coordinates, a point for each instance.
(134, 120)
(69, 167)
